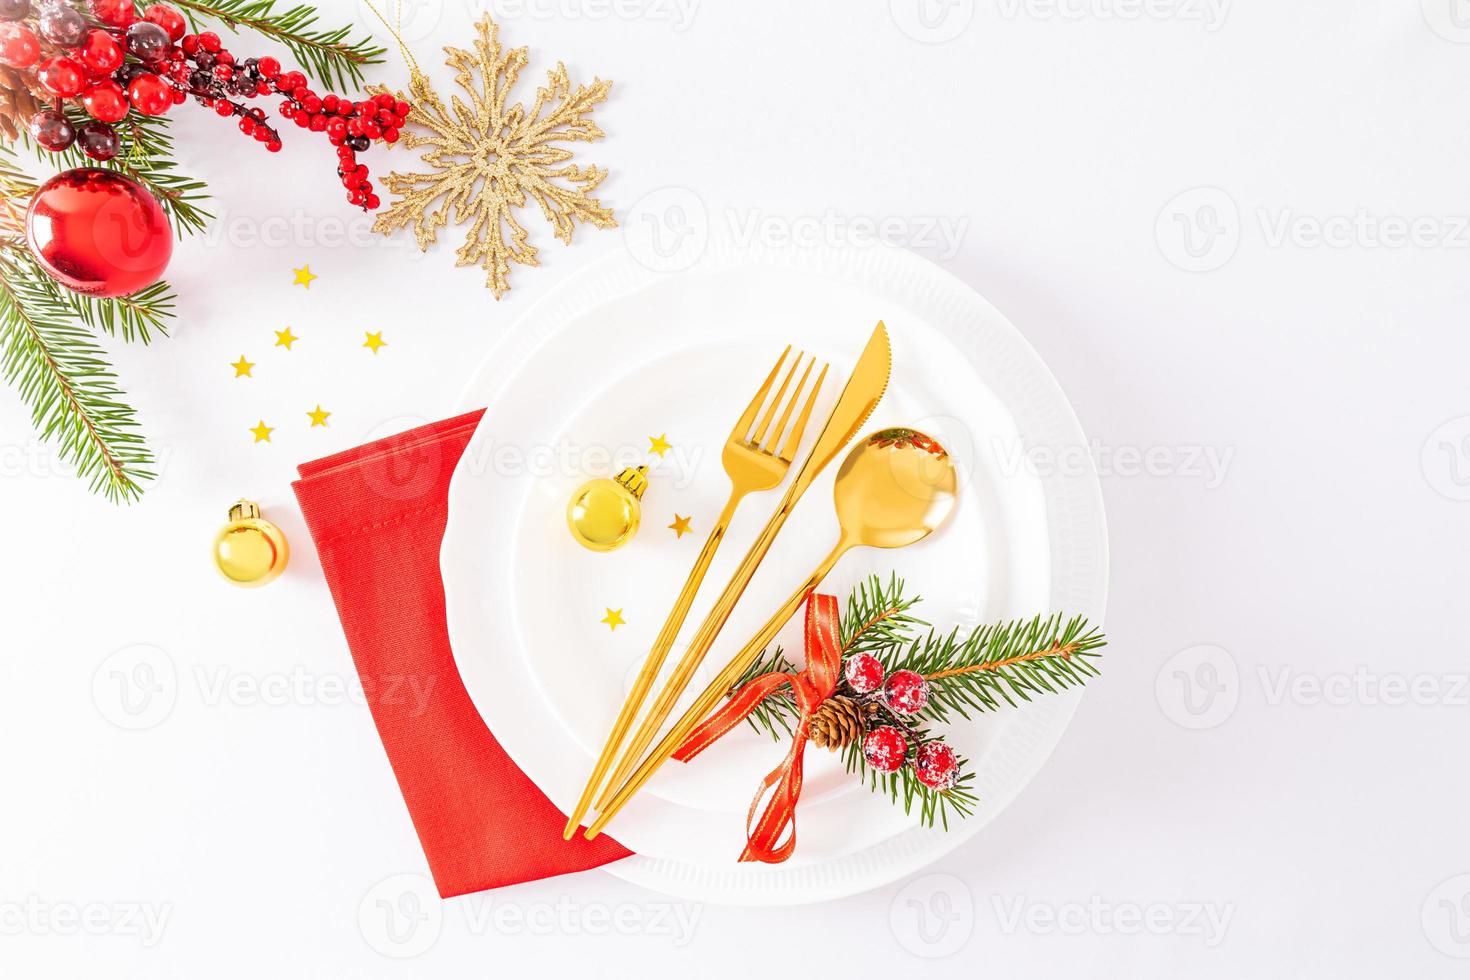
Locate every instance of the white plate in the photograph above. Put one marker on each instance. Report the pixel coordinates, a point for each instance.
(619, 353)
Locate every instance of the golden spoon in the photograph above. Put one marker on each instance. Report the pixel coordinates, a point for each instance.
(895, 487)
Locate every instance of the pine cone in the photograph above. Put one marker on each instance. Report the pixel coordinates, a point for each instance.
(839, 721)
(21, 96)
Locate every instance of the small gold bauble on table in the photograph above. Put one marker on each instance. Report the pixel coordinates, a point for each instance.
(250, 551)
(603, 514)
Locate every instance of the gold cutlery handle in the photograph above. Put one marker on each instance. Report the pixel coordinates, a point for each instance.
(653, 662)
(684, 670)
(711, 695)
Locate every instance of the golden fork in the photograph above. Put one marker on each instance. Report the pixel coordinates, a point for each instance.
(755, 460)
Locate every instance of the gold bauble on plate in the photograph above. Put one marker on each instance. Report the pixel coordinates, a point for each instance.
(603, 514)
(250, 551)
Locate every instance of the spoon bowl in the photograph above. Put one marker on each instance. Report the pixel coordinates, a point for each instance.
(894, 488)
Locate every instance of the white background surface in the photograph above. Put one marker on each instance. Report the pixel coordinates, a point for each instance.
(1206, 774)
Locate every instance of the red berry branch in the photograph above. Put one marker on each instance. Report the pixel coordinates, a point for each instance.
(110, 62)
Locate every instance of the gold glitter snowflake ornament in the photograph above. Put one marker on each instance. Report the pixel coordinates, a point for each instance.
(486, 159)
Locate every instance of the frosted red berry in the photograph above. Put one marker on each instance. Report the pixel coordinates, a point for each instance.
(884, 749)
(863, 671)
(905, 692)
(19, 46)
(936, 766)
(117, 13)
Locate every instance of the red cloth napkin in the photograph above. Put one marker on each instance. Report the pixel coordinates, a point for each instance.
(377, 515)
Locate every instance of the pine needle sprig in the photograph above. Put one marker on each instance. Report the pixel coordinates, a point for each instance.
(877, 616)
(326, 55)
(62, 374)
(136, 316)
(1001, 663)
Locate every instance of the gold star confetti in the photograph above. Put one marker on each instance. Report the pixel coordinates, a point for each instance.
(318, 417)
(262, 431)
(485, 160)
(680, 527)
(374, 341)
(285, 338)
(304, 277)
(659, 444)
(613, 619)
(242, 367)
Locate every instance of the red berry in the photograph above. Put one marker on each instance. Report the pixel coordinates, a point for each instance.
(269, 67)
(905, 692)
(52, 130)
(329, 102)
(354, 127)
(224, 58)
(302, 119)
(99, 53)
(150, 94)
(167, 18)
(383, 98)
(178, 96)
(318, 123)
(105, 101)
(209, 41)
(336, 128)
(190, 44)
(98, 140)
(224, 108)
(864, 673)
(247, 125)
(274, 146)
(62, 76)
(401, 108)
(264, 88)
(390, 135)
(371, 130)
(372, 201)
(936, 766)
(312, 104)
(884, 749)
(117, 13)
(19, 46)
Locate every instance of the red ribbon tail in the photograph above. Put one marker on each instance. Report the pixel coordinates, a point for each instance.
(764, 835)
(734, 711)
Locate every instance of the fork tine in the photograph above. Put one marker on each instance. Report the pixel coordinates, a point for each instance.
(747, 419)
(775, 440)
(788, 451)
(760, 433)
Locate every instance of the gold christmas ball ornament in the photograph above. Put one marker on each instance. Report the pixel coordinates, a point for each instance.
(250, 551)
(603, 514)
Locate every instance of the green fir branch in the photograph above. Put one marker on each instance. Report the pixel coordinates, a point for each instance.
(62, 374)
(1001, 663)
(329, 56)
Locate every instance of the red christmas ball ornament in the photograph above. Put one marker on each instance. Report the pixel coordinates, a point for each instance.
(167, 18)
(105, 101)
(864, 673)
(62, 76)
(118, 13)
(99, 53)
(19, 46)
(905, 692)
(884, 749)
(150, 94)
(936, 766)
(98, 232)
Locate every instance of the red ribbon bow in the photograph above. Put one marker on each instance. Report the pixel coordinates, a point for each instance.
(812, 686)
